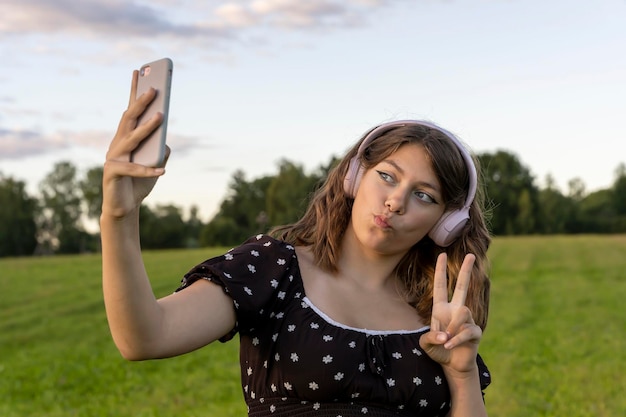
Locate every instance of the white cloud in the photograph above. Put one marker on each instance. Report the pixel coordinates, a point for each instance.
(235, 15)
(295, 13)
(16, 143)
(24, 143)
(116, 18)
(95, 17)
(102, 31)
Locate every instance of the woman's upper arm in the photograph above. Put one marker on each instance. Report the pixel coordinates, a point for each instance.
(194, 317)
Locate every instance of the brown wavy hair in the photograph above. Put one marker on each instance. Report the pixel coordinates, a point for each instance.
(329, 211)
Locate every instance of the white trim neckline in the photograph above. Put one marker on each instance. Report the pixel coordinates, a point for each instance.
(329, 320)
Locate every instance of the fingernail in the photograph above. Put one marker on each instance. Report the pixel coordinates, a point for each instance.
(442, 337)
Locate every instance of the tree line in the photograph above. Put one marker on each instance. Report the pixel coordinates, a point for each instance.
(54, 220)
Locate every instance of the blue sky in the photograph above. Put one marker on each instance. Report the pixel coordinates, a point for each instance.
(257, 81)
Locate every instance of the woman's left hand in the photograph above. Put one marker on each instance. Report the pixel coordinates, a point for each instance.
(453, 337)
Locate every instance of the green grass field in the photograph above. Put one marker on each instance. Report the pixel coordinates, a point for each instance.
(555, 343)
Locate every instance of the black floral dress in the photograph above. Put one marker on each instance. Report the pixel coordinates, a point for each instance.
(297, 361)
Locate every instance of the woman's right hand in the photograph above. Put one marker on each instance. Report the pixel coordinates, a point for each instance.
(125, 184)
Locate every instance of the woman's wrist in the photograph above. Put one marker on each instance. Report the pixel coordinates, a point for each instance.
(119, 227)
(465, 392)
(461, 376)
(118, 216)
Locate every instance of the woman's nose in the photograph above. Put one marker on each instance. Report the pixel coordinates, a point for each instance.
(396, 202)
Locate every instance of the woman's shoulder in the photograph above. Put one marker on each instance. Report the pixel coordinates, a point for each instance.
(263, 244)
(260, 252)
(260, 255)
(265, 240)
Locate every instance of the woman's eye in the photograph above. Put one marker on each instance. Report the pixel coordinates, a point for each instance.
(385, 177)
(424, 197)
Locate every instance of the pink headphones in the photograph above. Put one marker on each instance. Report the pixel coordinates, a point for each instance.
(449, 226)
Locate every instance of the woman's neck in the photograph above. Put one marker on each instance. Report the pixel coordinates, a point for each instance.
(367, 268)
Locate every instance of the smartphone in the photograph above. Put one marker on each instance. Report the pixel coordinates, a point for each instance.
(158, 75)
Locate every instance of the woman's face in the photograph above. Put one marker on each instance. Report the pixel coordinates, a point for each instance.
(397, 203)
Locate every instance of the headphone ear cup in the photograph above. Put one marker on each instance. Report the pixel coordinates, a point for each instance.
(352, 178)
(449, 227)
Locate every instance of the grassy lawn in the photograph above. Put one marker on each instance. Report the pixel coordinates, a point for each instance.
(557, 334)
(555, 342)
(57, 357)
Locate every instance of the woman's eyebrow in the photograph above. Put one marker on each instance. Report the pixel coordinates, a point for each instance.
(394, 164)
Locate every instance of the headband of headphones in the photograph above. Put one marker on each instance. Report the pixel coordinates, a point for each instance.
(452, 222)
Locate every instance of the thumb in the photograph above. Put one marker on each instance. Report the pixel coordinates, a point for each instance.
(432, 339)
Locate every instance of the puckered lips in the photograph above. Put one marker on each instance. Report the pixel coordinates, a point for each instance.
(382, 222)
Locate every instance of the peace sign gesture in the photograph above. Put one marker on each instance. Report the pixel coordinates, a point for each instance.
(453, 337)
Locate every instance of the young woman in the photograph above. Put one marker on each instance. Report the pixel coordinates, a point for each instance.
(372, 304)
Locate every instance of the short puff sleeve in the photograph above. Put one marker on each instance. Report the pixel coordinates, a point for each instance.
(256, 275)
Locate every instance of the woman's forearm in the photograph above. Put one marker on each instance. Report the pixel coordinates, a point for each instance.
(467, 398)
(132, 310)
